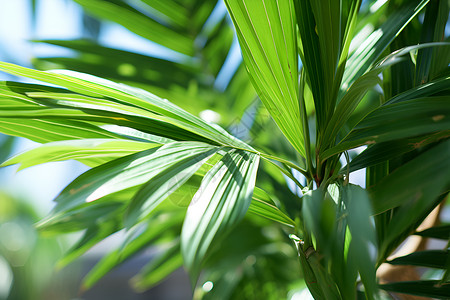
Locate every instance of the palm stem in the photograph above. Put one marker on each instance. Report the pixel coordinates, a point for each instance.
(304, 117)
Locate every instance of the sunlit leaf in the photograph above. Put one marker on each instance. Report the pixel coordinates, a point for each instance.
(126, 172)
(221, 201)
(158, 189)
(372, 48)
(92, 152)
(266, 32)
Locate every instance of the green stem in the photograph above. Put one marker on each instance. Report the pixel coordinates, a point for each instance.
(304, 117)
(285, 172)
(286, 162)
(272, 157)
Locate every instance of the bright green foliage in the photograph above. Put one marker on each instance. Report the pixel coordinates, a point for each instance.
(332, 75)
(266, 32)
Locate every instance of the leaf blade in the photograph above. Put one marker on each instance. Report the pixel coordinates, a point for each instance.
(263, 206)
(221, 201)
(271, 59)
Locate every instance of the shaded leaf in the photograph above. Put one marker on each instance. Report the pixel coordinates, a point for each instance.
(399, 120)
(120, 65)
(139, 23)
(381, 152)
(86, 215)
(429, 258)
(362, 235)
(147, 234)
(422, 178)
(438, 232)
(159, 268)
(426, 288)
(91, 237)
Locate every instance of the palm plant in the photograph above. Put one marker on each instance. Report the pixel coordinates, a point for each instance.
(332, 75)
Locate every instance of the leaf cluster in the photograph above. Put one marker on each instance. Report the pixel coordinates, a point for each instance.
(324, 78)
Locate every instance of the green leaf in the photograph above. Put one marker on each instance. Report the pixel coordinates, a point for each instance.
(310, 54)
(428, 61)
(419, 180)
(119, 65)
(121, 99)
(126, 172)
(158, 189)
(221, 201)
(85, 215)
(172, 10)
(6, 144)
(326, 215)
(355, 93)
(137, 135)
(310, 278)
(184, 194)
(139, 23)
(218, 45)
(159, 268)
(325, 43)
(43, 131)
(116, 112)
(321, 284)
(396, 121)
(285, 168)
(441, 58)
(91, 237)
(438, 232)
(429, 258)
(319, 215)
(327, 15)
(425, 288)
(348, 104)
(436, 86)
(446, 277)
(12, 96)
(159, 227)
(414, 189)
(362, 235)
(266, 33)
(372, 48)
(363, 84)
(103, 115)
(92, 152)
(264, 206)
(382, 152)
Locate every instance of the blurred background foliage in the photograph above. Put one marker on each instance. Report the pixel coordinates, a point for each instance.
(27, 259)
